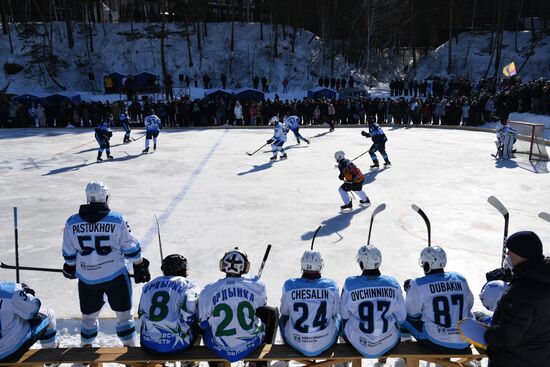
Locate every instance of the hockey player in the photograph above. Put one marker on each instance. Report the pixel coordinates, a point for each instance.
(233, 311)
(103, 135)
(379, 140)
(278, 139)
(372, 306)
(125, 123)
(506, 138)
(152, 129)
(353, 181)
(168, 308)
(436, 303)
(309, 309)
(23, 321)
(292, 123)
(99, 241)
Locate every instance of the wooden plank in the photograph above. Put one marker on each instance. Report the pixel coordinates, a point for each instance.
(441, 362)
(356, 362)
(412, 362)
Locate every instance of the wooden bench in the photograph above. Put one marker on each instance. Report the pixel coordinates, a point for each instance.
(411, 352)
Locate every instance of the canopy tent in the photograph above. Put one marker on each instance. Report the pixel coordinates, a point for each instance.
(249, 94)
(57, 97)
(321, 92)
(146, 82)
(27, 98)
(113, 82)
(218, 93)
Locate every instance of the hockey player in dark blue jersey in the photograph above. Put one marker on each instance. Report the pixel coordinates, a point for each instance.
(379, 140)
(103, 135)
(125, 123)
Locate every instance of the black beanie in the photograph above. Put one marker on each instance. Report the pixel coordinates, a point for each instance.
(525, 244)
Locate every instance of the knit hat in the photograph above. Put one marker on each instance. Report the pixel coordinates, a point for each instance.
(525, 244)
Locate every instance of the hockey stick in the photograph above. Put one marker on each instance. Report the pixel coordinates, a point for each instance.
(268, 248)
(314, 235)
(16, 234)
(360, 155)
(33, 268)
(377, 210)
(426, 220)
(136, 139)
(544, 216)
(498, 206)
(160, 242)
(256, 151)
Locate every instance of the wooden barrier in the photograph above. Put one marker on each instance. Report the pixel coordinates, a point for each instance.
(411, 352)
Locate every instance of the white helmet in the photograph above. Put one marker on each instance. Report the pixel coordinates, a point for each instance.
(312, 261)
(369, 257)
(491, 293)
(339, 155)
(234, 262)
(97, 192)
(432, 258)
(274, 120)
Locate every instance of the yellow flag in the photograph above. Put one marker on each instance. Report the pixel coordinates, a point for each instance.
(509, 70)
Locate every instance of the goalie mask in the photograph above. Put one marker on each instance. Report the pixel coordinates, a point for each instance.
(97, 192)
(312, 261)
(433, 258)
(174, 265)
(369, 257)
(234, 262)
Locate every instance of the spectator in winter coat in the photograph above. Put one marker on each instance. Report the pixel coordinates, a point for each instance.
(238, 111)
(519, 335)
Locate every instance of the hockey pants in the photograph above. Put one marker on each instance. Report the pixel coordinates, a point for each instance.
(381, 147)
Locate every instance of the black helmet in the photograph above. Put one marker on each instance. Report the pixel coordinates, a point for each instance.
(174, 265)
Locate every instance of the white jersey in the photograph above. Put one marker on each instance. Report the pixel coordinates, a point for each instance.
(99, 249)
(292, 123)
(371, 308)
(441, 300)
(279, 133)
(16, 307)
(167, 309)
(309, 310)
(227, 313)
(152, 123)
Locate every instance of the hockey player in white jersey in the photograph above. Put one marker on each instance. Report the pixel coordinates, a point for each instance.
(233, 311)
(96, 245)
(436, 303)
(309, 308)
(278, 139)
(506, 137)
(292, 123)
(168, 308)
(372, 307)
(152, 130)
(23, 321)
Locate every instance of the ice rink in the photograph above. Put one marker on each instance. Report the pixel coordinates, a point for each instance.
(210, 196)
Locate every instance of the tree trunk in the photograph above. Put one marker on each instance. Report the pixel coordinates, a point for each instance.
(90, 31)
(189, 46)
(70, 39)
(517, 25)
(450, 43)
(162, 51)
(232, 40)
(500, 23)
(4, 18)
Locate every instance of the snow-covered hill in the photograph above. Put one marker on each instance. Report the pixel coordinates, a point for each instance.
(118, 48)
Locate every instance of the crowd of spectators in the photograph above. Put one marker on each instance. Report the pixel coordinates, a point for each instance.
(434, 101)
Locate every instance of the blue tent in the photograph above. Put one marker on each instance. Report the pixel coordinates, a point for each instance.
(218, 93)
(146, 82)
(321, 92)
(116, 81)
(27, 98)
(58, 97)
(249, 94)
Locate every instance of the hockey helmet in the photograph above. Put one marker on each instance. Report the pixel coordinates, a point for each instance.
(97, 192)
(432, 258)
(369, 257)
(312, 261)
(174, 264)
(274, 120)
(235, 262)
(339, 155)
(491, 293)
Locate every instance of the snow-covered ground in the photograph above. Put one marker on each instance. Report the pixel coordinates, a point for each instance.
(210, 196)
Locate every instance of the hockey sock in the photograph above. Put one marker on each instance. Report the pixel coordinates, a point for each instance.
(147, 143)
(49, 339)
(126, 328)
(155, 141)
(361, 195)
(344, 195)
(88, 328)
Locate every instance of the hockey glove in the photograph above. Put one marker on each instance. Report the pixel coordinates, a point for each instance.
(407, 285)
(270, 141)
(499, 274)
(364, 133)
(141, 271)
(69, 271)
(27, 289)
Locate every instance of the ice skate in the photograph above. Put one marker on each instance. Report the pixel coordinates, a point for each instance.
(273, 158)
(366, 202)
(110, 156)
(347, 206)
(307, 141)
(154, 147)
(145, 151)
(283, 156)
(387, 163)
(374, 165)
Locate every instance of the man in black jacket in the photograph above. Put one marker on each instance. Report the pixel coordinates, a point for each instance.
(520, 332)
